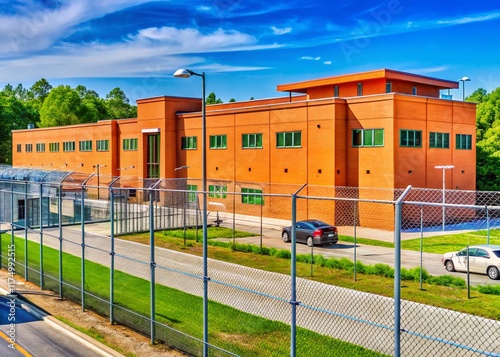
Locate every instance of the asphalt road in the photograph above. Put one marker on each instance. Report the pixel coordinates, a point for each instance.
(30, 336)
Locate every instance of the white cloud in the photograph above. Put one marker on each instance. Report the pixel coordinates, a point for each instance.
(469, 19)
(327, 62)
(150, 52)
(309, 58)
(281, 31)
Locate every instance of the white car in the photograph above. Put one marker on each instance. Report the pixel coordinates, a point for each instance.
(483, 259)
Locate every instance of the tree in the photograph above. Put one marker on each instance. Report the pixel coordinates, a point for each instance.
(211, 99)
(118, 105)
(232, 100)
(487, 139)
(63, 106)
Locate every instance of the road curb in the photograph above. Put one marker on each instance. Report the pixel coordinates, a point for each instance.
(79, 336)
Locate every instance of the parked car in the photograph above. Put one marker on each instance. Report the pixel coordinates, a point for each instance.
(311, 232)
(483, 259)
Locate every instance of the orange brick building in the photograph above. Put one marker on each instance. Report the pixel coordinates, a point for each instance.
(382, 128)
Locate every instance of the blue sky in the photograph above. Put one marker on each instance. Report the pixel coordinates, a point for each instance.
(245, 47)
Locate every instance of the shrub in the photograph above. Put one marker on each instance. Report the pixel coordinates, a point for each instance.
(283, 254)
(447, 280)
(414, 274)
(489, 289)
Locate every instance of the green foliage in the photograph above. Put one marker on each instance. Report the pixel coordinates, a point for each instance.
(488, 139)
(489, 289)
(212, 99)
(447, 280)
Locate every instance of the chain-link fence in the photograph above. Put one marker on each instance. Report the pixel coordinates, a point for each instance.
(65, 232)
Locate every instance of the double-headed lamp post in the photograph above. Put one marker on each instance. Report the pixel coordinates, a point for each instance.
(463, 80)
(186, 73)
(444, 168)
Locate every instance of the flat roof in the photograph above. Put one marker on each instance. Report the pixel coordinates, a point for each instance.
(301, 87)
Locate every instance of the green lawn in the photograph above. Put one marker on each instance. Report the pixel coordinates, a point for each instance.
(231, 329)
(451, 242)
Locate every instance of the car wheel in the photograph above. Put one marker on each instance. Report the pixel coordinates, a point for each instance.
(310, 241)
(493, 273)
(286, 237)
(449, 266)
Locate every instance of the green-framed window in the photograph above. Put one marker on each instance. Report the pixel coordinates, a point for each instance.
(217, 191)
(439, 140)
(54, 147)
(252, 196)
(251, 141)
(410, 138)
(289, 139)
(69, 146)
(40, 147)
(193, 192)
(188, 143)
(28, 147)
(218, 141)
(464, 141)
(129, 144)
(85, 145)
(102, 145)
(367, 137)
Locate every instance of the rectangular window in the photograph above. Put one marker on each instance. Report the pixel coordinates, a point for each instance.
(28, 147)
(129, 144)
(153, 156)
(439, 140)
(289, 139)
(367, 137)
(40, 147)
(252, 196)
(102, 145)
(215, 191)
(188, 143)
(360, 89)
(414, 90)
(54, 147)
(69, 146)
(86, 145)
(388, 87)
(336, 91)
(192, 194)
(464, 141)
(410, 138)
(19, 147)
(218, 141)
(251, 141)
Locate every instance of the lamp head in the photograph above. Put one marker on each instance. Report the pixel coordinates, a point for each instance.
(464, 79)
(183, 73)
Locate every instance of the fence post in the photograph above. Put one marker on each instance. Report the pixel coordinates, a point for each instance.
(152, 263)
(59, 214)
(26, 231)
(355, 236)
(487, 226)
(82, 217)
(112, 256)
(398, 212)
(12, 212)
(41, 236)
(421, 243)
(293, 277)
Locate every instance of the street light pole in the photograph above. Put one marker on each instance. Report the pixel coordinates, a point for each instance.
(186, 73)
(444, 168)
(463, 80)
